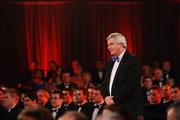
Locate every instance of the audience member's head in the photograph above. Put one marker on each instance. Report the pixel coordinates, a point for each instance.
(77, 69)
(42, 97)
(79, 96)
(98, 95)
(66, 77)
(90, 94)
(166, 92)
(170, 81)
(176, 92)
(56, 99)
(157, 74)
(173, 112)
(155, 95)
(67, 96)
(30, 100)
(72, 115)
(115, 112)
(11, 98)
(166, 66)
(35, 114)
(147, 82)
(146, 70)
(86, 76)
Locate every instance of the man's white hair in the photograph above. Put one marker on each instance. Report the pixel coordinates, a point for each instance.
(119, 38)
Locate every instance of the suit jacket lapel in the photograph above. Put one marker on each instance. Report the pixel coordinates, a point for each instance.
(119, 72)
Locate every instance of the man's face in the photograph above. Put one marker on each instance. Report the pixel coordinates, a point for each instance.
(175, 94)
(114, 48)
(158, 74)
(86, 77)
(66, 77)
(146, 69)
(55, 100)
(28, 103)
(154, 97)
(166, 91)
(78, 96)
(8, 100)
(42, 99)
(66, 96)
(97, 98)
(147, 83)
(166, 66)
(90, 94)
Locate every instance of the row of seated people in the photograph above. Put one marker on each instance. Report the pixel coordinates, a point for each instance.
(161, 73)
(55, 76)
(57, 102)
(89, 102)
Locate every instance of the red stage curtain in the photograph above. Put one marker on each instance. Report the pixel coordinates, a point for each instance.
(63, 31)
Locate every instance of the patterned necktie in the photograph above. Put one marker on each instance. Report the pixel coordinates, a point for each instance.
(115, 58)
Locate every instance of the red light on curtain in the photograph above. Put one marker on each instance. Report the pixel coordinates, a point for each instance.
(42, 29)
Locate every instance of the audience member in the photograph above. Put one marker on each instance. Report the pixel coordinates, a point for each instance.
(56, 100)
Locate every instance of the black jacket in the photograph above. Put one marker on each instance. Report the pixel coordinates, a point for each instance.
(126, 84)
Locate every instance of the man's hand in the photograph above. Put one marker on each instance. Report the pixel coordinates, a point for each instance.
(109, 100)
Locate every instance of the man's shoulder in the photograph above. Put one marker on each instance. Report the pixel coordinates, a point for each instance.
(131, 57)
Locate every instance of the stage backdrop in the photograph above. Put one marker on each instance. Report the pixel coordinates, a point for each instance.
(63, 31)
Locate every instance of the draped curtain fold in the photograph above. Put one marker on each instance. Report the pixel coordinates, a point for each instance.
(67, 31)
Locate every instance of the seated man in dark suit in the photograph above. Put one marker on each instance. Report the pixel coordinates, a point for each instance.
(98, 101)
(176, 92)
(30, 100)
(80, 98)
(66, 84)
(156, 110)
(10, 102)
(68, 103)
(167, 95)
(98, 73)
(56, 100)
(168, 72)
(43, 98)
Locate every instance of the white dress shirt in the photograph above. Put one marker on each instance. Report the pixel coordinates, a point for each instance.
(114, 69)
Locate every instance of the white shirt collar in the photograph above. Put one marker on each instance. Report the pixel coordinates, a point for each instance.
(9, 110)
(121, 55)
(56, 108)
